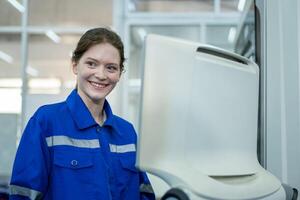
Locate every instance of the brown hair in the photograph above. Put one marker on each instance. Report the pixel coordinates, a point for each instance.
(96, 36)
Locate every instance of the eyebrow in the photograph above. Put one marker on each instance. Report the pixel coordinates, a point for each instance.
(95, 60)
(92, 59)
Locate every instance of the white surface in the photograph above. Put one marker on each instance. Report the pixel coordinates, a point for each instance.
(282, 68)
(257, 186)
(199, 119)
(220, 136)
(278, 195)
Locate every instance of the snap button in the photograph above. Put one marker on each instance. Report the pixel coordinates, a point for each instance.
(74, 163)
(98, 129)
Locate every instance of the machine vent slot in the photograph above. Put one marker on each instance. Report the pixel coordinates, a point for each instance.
(221, 54)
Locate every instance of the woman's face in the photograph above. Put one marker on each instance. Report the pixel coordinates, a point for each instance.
(98, 72)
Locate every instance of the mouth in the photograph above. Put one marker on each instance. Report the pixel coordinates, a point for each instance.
(98, 85)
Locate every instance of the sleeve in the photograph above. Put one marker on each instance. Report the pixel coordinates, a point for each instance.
(29, 178)
(146, 190)
(145, 187)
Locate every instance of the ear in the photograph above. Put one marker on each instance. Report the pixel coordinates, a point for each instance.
(121, 72)
(74, 67)
(120, 75)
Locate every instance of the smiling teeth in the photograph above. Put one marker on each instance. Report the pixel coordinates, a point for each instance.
(98, 85)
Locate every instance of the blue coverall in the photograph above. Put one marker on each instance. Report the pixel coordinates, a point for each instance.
(65, 155)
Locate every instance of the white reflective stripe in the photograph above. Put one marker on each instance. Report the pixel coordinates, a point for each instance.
(146, 188)
(122, 148)
(64, 140)
(23, 191)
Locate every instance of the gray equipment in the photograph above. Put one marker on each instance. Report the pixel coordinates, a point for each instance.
(198, 127)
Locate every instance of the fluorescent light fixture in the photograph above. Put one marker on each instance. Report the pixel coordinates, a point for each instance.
(46, 83)
(70, 84)
(134, 85)
(44, 86)
(5, 57)
(10, 101)
(131, 6)
(241, 5)
(10, 83)
(142, 33)
(53, 36)
(32, 71)
(135, 82)
(17, 5)
(33, 83)
(71, 54)
(231, 35)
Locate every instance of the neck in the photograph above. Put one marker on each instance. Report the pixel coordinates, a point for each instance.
(95, 108)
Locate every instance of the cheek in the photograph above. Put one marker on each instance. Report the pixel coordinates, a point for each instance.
(83, 74)
(115, 78)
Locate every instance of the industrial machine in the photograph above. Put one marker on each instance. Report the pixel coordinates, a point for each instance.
(198, 125)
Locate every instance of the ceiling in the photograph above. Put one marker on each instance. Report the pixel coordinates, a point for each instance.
(59, 13)
(50, 59)
(47, 58)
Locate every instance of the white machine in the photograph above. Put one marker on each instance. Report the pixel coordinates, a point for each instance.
(198, 126)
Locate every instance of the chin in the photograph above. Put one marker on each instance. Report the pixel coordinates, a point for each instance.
(98, 97)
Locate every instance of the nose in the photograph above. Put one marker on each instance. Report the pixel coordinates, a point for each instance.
(101, 73)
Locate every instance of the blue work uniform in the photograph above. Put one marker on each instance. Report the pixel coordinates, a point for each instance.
(64, 154)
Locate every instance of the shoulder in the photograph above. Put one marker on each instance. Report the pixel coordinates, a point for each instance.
(125, 127)
(51, 113)
(50, 110)
(43, 116)
(49, 116)
(122, 122)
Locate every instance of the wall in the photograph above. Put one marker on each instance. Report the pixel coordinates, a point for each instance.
(7, 142)
(282, 90)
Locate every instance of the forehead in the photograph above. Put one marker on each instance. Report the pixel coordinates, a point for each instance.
(103, 52)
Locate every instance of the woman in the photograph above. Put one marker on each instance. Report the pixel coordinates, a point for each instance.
(78, 149)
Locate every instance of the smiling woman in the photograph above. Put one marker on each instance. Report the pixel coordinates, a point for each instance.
(79, 148)
(98, 63)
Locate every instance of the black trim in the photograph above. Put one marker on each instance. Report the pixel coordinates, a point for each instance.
(175, 193)
(295, 194)
(220, 54)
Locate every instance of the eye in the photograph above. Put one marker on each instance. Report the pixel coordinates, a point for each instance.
(112, 67)
(91, 64)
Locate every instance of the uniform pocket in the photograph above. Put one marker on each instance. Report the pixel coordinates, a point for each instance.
(73, 159)
(126, 169)
(73, 169)
(129, 176)
(128, 162)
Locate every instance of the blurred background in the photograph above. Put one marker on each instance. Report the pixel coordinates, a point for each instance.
(37, 38)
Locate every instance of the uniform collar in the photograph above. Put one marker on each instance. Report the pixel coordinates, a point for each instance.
(82, 116)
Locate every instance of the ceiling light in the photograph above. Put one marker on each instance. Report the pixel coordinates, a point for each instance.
(17, 5)
(70, 84)
(142, 33)
(44, 86)
(135, 83)
(10, 101)
(7, 58)
(71, 54)
(241, 5)
(231, 35)
(10, 83)
(53, 36)
(44, 83)
(32, 71)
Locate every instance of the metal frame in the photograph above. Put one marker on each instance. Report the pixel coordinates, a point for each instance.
(261, 59)
(129, 19)
(24, 60)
